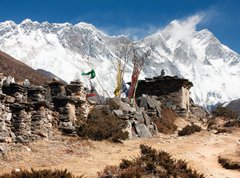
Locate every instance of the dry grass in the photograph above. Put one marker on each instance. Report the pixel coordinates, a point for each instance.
(189, 129)
(232, 123)
(151, 163)
(165, 124)
(102, 126)
(39, 174)
(228, 163)
(19, 70)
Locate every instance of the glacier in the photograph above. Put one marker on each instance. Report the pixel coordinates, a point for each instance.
(66, 50)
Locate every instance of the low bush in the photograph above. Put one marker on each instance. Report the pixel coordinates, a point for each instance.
(165, 124)
(233, 123)
(223, 130)
(151, 163)
(39, 174)
(102, 126)
(228, 164)
(189, 129)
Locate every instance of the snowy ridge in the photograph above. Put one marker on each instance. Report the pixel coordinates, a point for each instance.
(66, 50)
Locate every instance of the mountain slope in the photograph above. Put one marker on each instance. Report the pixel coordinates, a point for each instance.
(20, 71)
(66, 50)
(234, 106)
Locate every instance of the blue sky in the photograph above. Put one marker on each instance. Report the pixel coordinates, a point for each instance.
(135, 18)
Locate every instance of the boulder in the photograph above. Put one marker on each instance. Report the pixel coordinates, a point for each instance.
(117, 103)
(143, 131)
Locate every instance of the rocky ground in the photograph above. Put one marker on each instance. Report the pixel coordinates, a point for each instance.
(83, 157)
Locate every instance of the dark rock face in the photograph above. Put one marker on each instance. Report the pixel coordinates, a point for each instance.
(235, 106)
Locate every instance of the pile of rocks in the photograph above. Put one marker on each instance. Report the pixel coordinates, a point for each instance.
(139, 122)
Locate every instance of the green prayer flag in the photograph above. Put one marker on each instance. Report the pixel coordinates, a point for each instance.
(92, 73)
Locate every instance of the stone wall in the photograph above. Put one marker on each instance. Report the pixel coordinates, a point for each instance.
(29, 112)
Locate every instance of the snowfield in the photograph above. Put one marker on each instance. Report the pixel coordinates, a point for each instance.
(66, 50)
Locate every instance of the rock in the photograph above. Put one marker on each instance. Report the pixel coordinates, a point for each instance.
(42, 134)
(10, 99)
(105, 109)
(65, 124)
(146, 119)
(169, 104)
(174, 107)
(3, 127)
(158, 108)
(139, 117)
(125, 117)
(93, 100)
(143, 131)
(151, 102)
(143, 102)
(3, 149)
(8, 116)
(20, 139)
(118, 113)
(118, 104)
(129, 129)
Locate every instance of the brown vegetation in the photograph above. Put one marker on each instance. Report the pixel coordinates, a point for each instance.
(189, 129)
(228, 164)
(101, 125)
(39, 174)
(20, 71)
(151, 164)
(233, 123)
(165, 124)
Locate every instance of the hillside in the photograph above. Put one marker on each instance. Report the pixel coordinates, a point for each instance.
(20, 71)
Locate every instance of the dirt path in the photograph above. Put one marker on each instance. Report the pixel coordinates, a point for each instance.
(87, 157)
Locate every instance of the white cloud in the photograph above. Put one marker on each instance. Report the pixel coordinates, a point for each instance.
(185, 28)
(182, 29)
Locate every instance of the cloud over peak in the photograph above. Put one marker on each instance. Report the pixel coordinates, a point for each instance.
(185, 28)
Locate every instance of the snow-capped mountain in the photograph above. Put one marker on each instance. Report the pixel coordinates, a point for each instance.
(66, 50)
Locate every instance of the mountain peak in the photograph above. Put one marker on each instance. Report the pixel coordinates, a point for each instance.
(26, 21)
(85, 25)
(66, 50)
(8, 23)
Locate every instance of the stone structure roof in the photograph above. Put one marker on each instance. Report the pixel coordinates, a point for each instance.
(161, 85)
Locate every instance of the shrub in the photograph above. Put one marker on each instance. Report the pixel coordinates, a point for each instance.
(165, 124)
(223, 130)
(225, 112)
(228, 164)
(100, 125)
(39, 174)
(233, 123)
(189, 129)
(151, 163)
